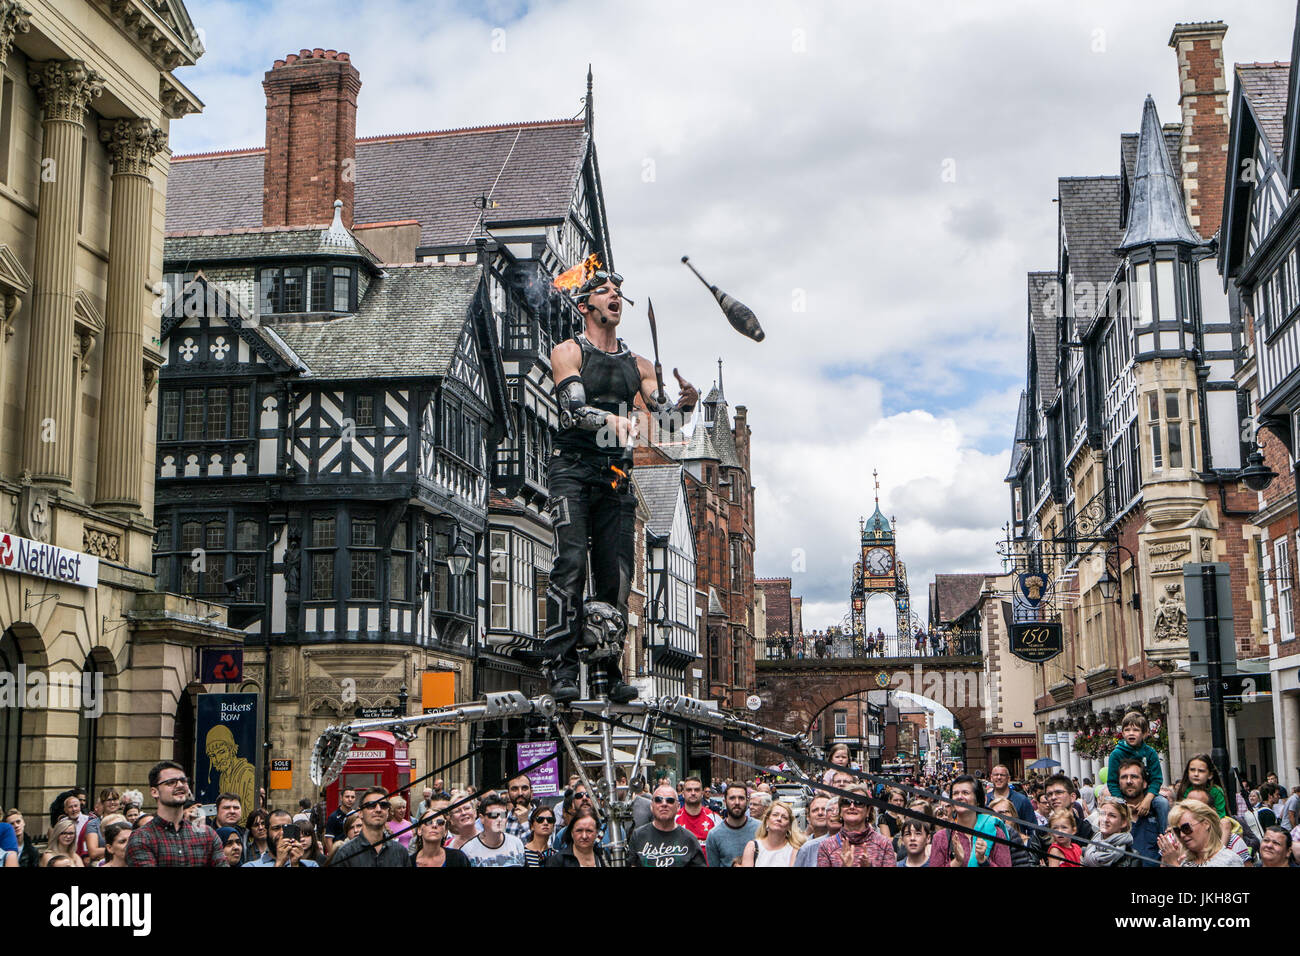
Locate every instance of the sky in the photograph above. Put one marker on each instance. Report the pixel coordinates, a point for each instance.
(873, 179)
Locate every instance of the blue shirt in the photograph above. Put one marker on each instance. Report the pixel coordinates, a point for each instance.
(1146, 829)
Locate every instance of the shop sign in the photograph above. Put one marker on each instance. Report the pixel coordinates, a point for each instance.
(1036, 641)
(48, 561)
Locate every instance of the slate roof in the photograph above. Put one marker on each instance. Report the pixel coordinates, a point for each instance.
(1265, 86)
(700, 446)
(433, 177)
(1019, 450)
(1044, 306)
(1090, 221)
(715, 605)
(1157, 212)
(277, 242)
(660, 485)
(954, 595)
(409, 324)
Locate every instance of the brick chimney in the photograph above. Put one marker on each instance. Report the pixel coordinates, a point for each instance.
(311, 136)
(1203, 97)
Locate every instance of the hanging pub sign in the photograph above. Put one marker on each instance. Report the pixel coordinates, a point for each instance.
(1032, 588)
(1036, 641)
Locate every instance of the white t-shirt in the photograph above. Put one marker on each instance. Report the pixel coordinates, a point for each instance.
(509, 853)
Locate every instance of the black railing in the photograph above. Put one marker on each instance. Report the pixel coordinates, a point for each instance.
(841, 646)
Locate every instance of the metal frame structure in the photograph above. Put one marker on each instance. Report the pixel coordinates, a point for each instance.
(331, 750)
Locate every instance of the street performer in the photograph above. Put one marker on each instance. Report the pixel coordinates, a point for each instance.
(591, 500)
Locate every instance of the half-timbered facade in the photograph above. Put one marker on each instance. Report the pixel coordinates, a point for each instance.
(1131, 462)
(393, 383)
(1260, 265)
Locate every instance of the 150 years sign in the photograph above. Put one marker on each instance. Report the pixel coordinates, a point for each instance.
(1036, 641)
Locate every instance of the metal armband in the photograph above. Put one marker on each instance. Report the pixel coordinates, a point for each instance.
(574, 410)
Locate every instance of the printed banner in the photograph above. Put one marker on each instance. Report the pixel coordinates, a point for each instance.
(48, 561)
(226, 748)
(546, 778)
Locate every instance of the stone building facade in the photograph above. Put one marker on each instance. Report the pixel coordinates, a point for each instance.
(1128, 458)
(89, 96)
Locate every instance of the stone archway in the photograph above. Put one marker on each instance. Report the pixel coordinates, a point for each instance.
(794, 692)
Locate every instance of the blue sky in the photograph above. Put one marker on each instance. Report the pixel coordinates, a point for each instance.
(874, 180)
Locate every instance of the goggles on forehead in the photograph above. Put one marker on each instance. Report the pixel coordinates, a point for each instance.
(597, 279)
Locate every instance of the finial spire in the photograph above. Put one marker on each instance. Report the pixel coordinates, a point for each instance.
(591, 103)
(720, 388)
(875, 476)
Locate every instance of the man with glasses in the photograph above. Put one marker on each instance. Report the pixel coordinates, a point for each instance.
(168, 839)
(494, 846)
(663, 842)
(597, 380)
(1000, 778)
(1059, 792)
(371, 847)
(284, 850)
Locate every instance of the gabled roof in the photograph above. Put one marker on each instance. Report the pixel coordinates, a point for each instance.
(1265, 88)
(260, 337)
(661, 486)
(1090, 225)
(1156, 210)
(530, 170)
(1044, 308)
(408, 325)
(954, 595)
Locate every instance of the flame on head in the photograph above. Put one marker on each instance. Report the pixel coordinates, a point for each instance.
(575, 278)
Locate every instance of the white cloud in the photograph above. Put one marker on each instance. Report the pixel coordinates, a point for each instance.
(779, 170)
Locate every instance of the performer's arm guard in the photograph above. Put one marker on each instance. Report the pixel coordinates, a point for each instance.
(574, 410)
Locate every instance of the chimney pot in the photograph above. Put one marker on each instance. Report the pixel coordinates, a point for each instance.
(319, 51)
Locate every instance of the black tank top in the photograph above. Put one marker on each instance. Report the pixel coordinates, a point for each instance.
(611, 381)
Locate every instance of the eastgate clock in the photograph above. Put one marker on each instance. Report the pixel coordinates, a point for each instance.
(879, 561)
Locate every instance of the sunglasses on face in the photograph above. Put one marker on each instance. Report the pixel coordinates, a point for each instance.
(550, 820)
(495, 814)
(373, 804)
(665, 799)
(1184, 828)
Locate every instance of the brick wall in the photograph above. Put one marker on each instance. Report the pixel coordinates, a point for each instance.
(1203, 88)
(311, 133)
(777, 594)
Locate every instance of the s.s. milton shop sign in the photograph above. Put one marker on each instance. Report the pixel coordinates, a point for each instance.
(48, 561)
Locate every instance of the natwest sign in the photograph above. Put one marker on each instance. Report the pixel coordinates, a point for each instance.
(48, 561)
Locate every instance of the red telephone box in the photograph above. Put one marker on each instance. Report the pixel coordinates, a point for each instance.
(377, 760)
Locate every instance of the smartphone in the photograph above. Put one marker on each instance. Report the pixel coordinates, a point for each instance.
(290, 832)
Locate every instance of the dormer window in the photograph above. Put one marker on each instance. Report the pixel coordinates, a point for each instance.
(289, 289)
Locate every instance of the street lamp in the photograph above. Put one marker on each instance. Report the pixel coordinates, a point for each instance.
(459, 559)
(1107, 585)
(1256, 474)
(1110, 584)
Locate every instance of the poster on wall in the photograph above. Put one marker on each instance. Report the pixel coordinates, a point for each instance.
(225, 750)
(546, 778)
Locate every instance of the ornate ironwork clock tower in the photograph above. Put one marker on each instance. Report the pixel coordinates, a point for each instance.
(879, 571)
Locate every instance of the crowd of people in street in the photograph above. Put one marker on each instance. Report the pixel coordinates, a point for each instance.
(844, 818)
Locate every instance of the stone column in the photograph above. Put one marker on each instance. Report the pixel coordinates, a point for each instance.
(132, 144)
(64, 88)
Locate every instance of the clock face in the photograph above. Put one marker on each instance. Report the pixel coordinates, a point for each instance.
(879, 561)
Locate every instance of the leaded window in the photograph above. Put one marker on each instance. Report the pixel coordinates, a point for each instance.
(363, 558)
